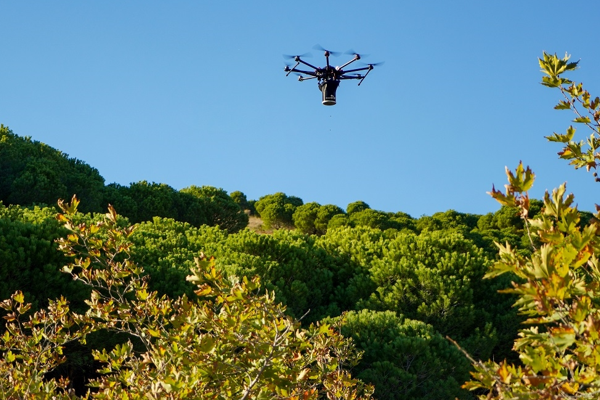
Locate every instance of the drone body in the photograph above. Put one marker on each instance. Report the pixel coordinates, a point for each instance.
(329, 77)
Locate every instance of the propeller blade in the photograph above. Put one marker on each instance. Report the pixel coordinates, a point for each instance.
(299, 55)
(354, 53)
(375, 64)
(333, 53)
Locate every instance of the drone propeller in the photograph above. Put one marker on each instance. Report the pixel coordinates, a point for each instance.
(333, 53)
(355, 54)
(375, 64)
(299, 56)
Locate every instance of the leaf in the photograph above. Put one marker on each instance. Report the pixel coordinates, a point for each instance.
(505, 200)
(142, 294)
(570, 388)
(563, 105)
(583, 120)
(153, 332)
(566, 138)
(10, 356)
(18, 296)
(504, 374)
(522, 179)
(112, 214)
(563, 337)
(302, 374)
(203, 290)
(207, 344)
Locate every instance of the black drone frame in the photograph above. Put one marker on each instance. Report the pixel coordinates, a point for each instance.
(329, 77)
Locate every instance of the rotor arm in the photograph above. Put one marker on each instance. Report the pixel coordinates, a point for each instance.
(289, 70)
(359, 69)
(357, 76)
(311, 73)
(368, 68)
(293, 69)
(299, 60)
(304, 78)
(363, 78)
(356, 58)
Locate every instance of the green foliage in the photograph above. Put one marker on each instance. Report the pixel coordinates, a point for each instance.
(245, 204)
(118, 196)
(29, 258)
(167, 248)
(371, 218)
(503, 226)
(220, 209)
(357, 206)
(397, 267)
(361, 214)
(324, 215)
(234, 342)
(252, 207)
(405, 359)
(32, 347)
(450, 220)
(434, 278)
(206, 205)
(559, 285)
(303, 275)
(322, 275)
(403, 222)
(313, 218)
(337, 221)
(240, 199)
(587, 111)
(558, 288)
(295, 201)
(304, 217)
(152, 200)
(34, 173)
(361, 245)
(277, 210)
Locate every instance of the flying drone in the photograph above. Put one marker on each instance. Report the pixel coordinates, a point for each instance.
(329, 77)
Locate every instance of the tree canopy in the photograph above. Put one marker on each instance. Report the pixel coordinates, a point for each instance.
(557, 287)
(234, 341)
(32, 172)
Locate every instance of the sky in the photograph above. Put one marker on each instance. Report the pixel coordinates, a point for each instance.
(194, 93)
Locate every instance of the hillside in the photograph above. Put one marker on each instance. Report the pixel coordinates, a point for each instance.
(403, 284)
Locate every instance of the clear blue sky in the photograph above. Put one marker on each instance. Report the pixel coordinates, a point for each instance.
(194, 93)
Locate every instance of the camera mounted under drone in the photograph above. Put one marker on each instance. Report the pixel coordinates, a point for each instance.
(329, 77)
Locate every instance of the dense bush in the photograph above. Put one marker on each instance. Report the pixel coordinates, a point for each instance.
(432, 277)
(233, 342)
(405, 359)
(34, 173)
(29, 259)
(277, 210)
